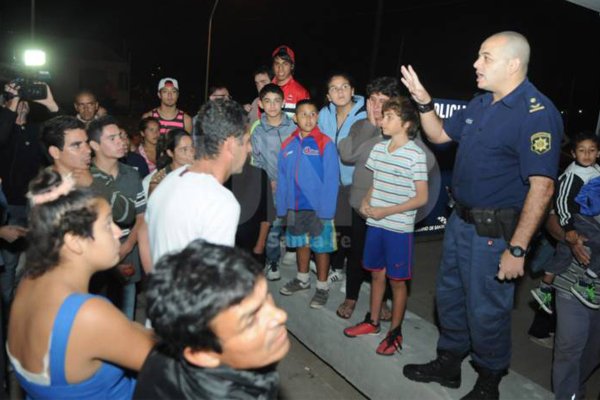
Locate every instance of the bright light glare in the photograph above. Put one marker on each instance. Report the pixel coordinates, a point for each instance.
(34, 58)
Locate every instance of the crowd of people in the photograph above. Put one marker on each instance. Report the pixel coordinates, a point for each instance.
(93, 212)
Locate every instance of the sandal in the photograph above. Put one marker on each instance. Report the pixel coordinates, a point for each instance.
(346, 309)
(386, 313)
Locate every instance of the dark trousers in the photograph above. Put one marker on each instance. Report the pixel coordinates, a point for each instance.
(355, 274)
(576, 346)
(474, 308)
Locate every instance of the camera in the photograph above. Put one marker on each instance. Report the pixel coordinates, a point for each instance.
(28, 89)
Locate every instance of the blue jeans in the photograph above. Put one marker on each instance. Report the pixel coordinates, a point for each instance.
(474, 308)
(576, 346)
(273, 246)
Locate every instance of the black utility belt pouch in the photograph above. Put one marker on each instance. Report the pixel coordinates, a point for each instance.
(495, 223)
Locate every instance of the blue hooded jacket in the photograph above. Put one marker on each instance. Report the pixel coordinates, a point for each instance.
(308, 176)
(328, 125)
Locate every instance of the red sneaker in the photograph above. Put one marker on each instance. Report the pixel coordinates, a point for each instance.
(391, 344)
(367, 327)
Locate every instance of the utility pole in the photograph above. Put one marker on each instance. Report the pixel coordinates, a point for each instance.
(212, 14)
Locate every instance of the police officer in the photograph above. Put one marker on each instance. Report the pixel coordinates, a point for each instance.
(503, 180)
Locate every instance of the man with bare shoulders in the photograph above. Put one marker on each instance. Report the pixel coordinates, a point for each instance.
(503, 179)
(167, 113)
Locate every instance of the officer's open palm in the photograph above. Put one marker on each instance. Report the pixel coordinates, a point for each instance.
(410, 79)
(510, 267)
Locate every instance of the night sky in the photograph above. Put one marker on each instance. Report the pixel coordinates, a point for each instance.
(439, 38)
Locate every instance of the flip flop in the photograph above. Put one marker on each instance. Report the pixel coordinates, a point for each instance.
(345, 309)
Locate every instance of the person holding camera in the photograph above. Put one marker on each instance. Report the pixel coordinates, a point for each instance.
(21, 157)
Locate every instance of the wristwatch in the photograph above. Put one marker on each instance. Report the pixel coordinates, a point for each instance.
(516, 251)
(424, 108)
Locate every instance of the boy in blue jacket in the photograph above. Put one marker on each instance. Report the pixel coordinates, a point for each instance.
(306, 196)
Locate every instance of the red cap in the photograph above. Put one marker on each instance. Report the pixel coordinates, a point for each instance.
(284, 50)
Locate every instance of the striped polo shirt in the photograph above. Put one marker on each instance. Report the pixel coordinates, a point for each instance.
(394, 176)
(167, 124)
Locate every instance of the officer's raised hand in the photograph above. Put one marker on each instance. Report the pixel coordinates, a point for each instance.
(510, 267)
(410, 79)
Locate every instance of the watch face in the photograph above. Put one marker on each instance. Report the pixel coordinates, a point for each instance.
(517, 251)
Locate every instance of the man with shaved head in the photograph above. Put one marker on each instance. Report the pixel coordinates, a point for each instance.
(507, 159)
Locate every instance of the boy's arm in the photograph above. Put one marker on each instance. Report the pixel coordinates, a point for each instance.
(331, 181)
(257, 152)
(566, 206)
(419, 200)
(365, 206)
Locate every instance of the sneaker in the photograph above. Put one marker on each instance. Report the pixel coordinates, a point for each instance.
(391, 344)
(544, 298)
(272, 271)
(585, 292)
(367, 327)
(445, 370)
(336, 275)
(293, 286)
(319, 299)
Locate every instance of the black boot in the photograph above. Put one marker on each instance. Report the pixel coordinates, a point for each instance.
(445, 370)
(486, 387)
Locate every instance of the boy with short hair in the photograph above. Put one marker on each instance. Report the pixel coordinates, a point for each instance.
(399, 188)
(284, 63)
(306, 194)
(577, 207)
(267, 136)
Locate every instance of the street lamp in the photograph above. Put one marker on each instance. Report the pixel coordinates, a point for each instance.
(208, 48)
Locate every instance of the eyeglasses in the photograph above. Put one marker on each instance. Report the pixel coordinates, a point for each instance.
(345, 87)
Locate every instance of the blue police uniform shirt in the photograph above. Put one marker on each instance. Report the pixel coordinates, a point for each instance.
(502, 144)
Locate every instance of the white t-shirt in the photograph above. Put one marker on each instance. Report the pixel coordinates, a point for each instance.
(188, 206)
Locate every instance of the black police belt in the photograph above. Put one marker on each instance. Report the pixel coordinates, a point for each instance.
(490, 222)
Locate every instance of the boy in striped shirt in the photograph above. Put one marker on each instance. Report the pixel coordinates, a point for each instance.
(399, 189)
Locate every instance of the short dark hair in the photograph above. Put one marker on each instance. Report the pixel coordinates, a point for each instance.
(168, 142)
(49, 222)
(53, 132)
(96, 127)
(146, 121)
(305, 102)
(218, 120)
(213, 88)
(270, 88)
(188, 289)
(404, 108)
(263, 69)
(85, 91)
(585, 135)
(385, 85)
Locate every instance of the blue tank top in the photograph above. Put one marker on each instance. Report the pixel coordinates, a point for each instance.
(109, 382)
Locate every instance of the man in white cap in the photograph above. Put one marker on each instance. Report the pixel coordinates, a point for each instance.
(168, 115)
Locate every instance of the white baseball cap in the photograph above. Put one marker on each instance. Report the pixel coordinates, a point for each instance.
(168, 82)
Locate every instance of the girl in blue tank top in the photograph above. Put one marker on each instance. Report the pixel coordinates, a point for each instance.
(63, 342)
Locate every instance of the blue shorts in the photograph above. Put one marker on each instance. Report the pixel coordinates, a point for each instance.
(390, 250)
(324, 243)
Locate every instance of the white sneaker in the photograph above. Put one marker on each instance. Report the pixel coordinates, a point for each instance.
(289, 258)
(336, 275)
(272, 271)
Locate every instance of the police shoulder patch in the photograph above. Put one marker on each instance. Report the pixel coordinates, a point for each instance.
(535, 105)
(541, 142)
